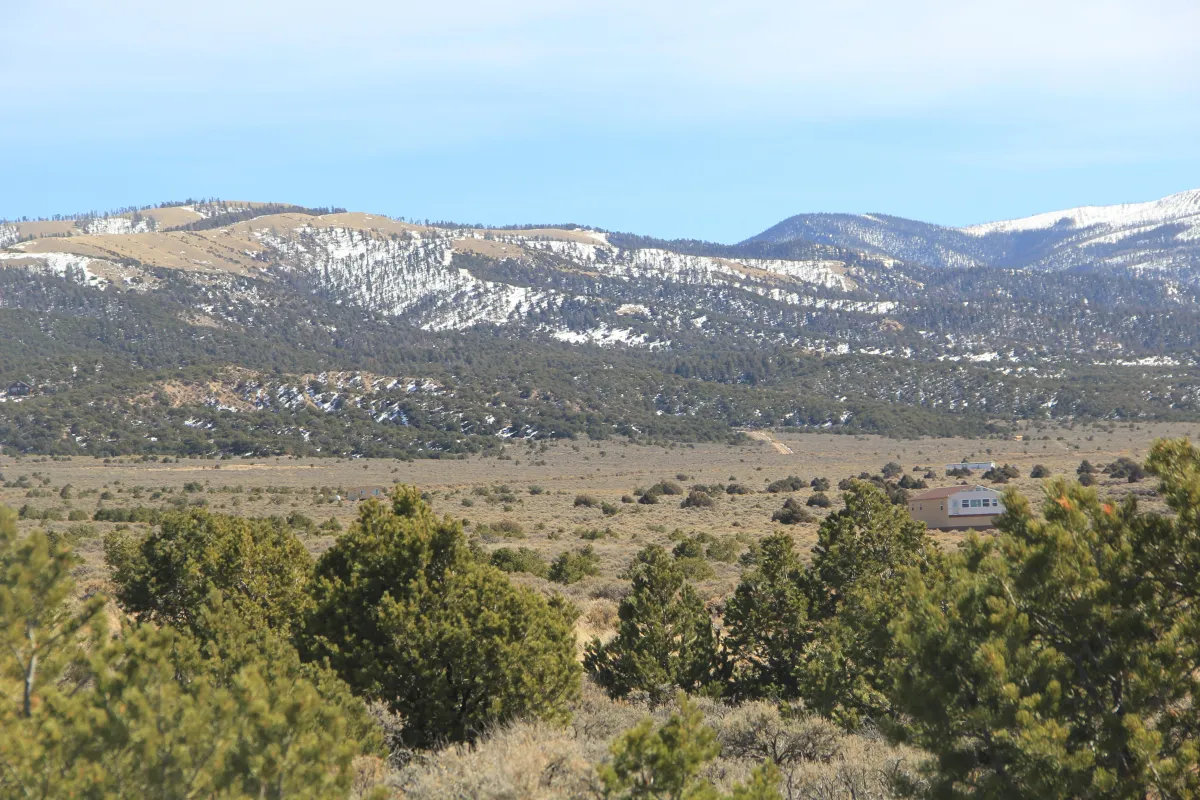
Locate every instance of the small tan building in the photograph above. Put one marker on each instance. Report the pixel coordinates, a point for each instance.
(956, 507)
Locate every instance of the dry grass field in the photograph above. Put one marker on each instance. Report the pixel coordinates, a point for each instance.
(528, 496)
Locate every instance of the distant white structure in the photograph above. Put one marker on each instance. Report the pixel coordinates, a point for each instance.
(971, 465)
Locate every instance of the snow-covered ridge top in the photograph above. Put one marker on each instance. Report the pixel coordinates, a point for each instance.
(1168, 209)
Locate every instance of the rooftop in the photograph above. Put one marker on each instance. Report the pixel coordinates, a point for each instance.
(946, 491)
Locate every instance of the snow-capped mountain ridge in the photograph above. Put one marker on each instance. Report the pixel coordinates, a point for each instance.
(1162, 234)
(1172, 208)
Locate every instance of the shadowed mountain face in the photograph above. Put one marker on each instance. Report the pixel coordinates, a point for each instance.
(252, 327)
(1161, 235)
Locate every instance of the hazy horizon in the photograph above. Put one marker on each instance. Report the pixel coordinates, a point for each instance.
(675, 120)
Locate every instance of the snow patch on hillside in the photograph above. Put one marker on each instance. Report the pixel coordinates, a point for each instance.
(65, 265)
(655, 263)
(119, 225)
(9, 235)
(1157, 212)
(404, 275)
(602, 335)
(484, 302)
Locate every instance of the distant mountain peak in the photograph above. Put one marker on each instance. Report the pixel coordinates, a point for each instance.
(1161, 234)
(1156, 212)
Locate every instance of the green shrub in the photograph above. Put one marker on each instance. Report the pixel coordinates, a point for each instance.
(573, 566)
(669, 762)
(406, 616)
(724, 549)
(695, 568)
(689, 547)
(818, 500)
(1039, 471)
(259, 566)
(697, 499)
(593, 534)
(1002, 474)
(523, 559)
(301, 522)
(792, 513)
(789, 484)
(507, 528)
(667, 488)
(586, 501)
(1125, 468)
(136, 514)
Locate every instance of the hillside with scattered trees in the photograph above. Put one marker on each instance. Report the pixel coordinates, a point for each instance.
(214, 327)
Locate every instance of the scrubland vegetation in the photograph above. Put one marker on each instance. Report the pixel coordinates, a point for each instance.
(397, 654)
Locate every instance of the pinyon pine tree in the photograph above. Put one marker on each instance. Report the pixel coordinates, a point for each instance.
(153, 712)
(766, 622)
(665, 638)
(1061, 658)
(406, 616)
(258, 565)
(855, 586)
(820, 633)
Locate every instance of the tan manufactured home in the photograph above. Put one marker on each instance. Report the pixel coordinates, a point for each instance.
(956, 507)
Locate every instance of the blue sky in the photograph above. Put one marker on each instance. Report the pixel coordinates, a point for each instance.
(698, 119)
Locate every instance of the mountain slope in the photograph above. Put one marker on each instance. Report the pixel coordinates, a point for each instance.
(1159, 235)
(266, 328)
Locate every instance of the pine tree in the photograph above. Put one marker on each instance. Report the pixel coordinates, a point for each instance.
(855, 587)
(405, 615)
(37, 626)
(820, 633)
(154, 711)
(766, 622)
(665, 638)
(258, 565)
(1061, 659)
